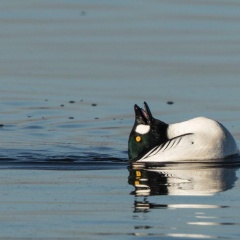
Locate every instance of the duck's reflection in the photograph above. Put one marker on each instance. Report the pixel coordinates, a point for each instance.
(189, 179)
(181, 179)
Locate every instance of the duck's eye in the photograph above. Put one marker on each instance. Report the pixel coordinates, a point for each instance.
(138, 139)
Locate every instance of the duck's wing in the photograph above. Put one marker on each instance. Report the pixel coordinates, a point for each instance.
(170, 148)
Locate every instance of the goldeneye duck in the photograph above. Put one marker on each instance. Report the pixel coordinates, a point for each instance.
(152, 140)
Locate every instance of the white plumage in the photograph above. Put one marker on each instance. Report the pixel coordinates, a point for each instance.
(196, 139)
(142, 129)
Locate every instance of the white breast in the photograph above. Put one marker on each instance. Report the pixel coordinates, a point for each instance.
(208, 140)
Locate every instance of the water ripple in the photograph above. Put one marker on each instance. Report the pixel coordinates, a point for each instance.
(70, 162)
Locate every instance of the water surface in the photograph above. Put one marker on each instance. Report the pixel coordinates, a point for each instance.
(70, 73)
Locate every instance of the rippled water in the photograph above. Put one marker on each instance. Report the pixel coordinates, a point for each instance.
(70, 73)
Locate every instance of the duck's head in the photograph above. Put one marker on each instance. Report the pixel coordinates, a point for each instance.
(147, 132)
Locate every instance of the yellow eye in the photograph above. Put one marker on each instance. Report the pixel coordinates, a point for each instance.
(138, 139)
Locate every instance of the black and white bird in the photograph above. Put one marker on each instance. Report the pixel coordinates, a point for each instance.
(152, 140)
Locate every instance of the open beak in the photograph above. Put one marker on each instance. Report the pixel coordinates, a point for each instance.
(148, 113)
(143, 116)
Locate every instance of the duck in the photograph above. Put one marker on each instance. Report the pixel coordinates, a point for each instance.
(200, 138)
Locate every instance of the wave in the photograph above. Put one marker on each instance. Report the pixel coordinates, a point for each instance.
(90, 161)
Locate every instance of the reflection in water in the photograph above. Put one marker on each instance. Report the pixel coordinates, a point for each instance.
(181, 179)
(145, 205)
(189, 179)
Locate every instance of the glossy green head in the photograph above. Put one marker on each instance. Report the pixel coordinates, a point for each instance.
(147, 132)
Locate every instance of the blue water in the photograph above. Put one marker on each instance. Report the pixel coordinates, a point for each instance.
(70, 73)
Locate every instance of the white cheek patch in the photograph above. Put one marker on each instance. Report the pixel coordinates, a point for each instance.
(142, 129)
